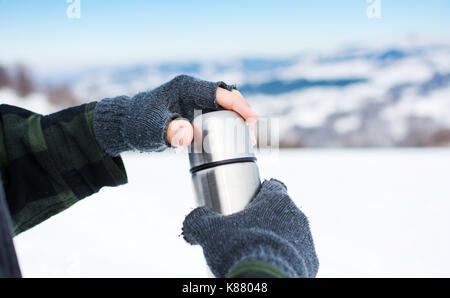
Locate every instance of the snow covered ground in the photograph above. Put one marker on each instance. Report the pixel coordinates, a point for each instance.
(372, 213)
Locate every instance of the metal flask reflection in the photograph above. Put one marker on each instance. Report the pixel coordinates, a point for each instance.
(223, 165)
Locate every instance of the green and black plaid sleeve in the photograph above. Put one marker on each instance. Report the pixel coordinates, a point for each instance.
(50, 162)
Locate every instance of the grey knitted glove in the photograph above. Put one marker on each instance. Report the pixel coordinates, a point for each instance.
(271, 229)
(140, 122)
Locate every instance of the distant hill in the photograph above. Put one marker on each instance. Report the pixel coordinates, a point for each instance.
(359, 97)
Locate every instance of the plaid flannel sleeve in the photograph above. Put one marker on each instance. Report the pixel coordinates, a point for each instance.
(48, 163)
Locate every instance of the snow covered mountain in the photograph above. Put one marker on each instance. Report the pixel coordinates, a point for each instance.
(361, 97)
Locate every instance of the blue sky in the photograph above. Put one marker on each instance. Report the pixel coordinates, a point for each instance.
(114, 32)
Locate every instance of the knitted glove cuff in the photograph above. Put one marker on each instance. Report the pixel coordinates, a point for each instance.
(109, 115)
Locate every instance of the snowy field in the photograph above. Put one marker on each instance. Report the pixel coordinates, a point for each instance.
(380, 213)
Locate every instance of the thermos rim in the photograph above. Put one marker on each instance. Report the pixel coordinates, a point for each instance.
(222, 162)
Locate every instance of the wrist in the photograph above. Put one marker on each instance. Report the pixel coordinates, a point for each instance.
(109, 116)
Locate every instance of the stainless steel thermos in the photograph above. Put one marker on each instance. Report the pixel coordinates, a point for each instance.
(223, 165)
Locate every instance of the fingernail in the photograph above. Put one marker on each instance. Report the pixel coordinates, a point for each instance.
(181, 133)
(177, 139)
(180, 141)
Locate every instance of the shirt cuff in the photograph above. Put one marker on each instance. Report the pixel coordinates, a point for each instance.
(255, 269)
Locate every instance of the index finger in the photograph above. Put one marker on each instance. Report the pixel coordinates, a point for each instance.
(235, 102)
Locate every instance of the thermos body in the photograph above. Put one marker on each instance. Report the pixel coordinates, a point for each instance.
(228, 188)
(223, 165)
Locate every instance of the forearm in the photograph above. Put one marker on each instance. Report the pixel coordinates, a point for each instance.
(50, 162)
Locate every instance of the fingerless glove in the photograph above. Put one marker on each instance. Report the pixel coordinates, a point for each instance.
(271, 229)
(139, 123)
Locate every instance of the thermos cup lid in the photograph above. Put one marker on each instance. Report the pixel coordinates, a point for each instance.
(220, 137)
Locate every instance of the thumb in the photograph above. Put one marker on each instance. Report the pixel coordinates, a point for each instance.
(196, 224)
(179, 133)
(270, 191)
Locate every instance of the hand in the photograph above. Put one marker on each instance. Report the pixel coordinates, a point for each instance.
(149, 121)
(270, 229)
(180, 132)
